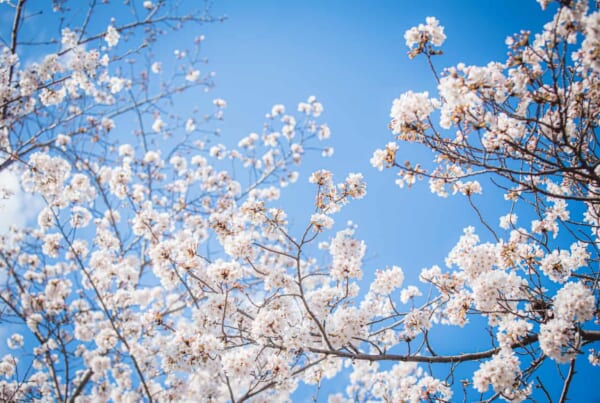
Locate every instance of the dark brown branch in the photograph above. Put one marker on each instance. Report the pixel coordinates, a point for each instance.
(423, 358)
(565, 390)
(81, 386)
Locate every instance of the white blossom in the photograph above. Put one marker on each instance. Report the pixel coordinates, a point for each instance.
(112, 36)
(574, 302)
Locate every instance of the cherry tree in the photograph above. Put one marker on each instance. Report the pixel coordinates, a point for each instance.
(161, 265)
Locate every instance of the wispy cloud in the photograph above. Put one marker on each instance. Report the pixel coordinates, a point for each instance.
(16, 206)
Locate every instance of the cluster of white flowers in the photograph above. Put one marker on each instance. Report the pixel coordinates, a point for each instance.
(15, 341)
(354, 186)
(331, 198)
(408, 293)
(321, 221)
(594, 357)
(431, 31)
(559, 264)
(224, 272)
(311, 107)
(415, 322)
(193, 75)
(47, 176)
(410, 113)
(503, 373)
(496, 292)
(558, 340)
(347, 325)
(158, 125)
(508, 221)
(404, 382)
(112, 36)
(574, 302)
(384, 158)
(387, 280)
(510, 330)
(347, 254)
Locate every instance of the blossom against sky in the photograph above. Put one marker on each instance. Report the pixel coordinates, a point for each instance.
(352, 55)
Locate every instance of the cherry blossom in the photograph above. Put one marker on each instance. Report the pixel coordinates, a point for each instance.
(163, 266)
